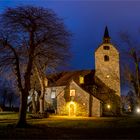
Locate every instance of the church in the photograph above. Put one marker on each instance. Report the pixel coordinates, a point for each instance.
(93, 92)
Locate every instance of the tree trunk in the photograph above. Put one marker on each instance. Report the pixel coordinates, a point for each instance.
(33, 103)
(43, 84)
(41, 109)
(41, 99)
(22, 111)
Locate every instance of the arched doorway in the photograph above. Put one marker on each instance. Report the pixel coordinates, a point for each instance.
(71, 109)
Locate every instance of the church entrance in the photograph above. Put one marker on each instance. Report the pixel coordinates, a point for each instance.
(71, 110)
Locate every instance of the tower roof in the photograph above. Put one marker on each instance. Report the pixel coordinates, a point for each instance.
(106, 38)
(106, 34)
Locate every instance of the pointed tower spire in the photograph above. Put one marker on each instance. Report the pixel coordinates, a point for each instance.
(106, 34)
(106, 38)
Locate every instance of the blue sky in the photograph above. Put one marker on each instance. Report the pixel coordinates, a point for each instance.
(86, 19)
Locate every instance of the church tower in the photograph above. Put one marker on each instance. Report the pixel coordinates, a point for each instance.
(107, 63)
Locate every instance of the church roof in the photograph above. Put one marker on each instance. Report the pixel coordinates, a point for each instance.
(92, 84)
(63, 78)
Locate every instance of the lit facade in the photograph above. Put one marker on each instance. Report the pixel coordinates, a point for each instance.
(88, 92)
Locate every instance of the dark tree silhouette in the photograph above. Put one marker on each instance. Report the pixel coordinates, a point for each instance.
(131, 70)
(30, 35)
(131, 98)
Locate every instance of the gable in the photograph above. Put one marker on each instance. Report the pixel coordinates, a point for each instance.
(63, 78)
(92, 84)
(74, 85)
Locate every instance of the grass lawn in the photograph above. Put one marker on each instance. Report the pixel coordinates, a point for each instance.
(58, 127)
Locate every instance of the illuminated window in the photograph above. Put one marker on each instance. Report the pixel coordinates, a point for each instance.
(106, 47)
(106, 58)
(72, 92)
(53, 94)
(81, 79)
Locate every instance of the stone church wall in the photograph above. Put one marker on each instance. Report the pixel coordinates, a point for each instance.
(96, 107)
(108, 71)
(81, 101)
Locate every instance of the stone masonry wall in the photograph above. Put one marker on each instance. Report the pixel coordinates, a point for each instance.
(81, 101)
(96, 107)
(108, 71)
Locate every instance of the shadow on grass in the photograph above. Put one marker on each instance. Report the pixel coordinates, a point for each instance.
(44, 132)
(78, 128)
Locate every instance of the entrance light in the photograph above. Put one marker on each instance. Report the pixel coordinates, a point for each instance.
(138, 110)
(108, 106)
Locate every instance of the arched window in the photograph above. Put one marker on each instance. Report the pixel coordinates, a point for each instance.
(106, 58)
(106, 47)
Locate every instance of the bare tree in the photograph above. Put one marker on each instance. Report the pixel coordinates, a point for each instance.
(131, 69)
(30, 35)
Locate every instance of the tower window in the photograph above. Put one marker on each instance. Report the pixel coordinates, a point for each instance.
(106, 47)
(106, 58)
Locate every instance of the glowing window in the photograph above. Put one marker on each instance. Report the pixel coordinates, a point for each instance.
(72, 92)
(106, 47)
(106, 58)
(81, 79)
(53, 94)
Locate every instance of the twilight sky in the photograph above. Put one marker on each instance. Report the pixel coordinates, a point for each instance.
(86, 19)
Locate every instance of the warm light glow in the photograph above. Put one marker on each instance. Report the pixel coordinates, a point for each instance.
(108, 106)
(107, 76)
(46, 82)
(129, 108)
(71, 102)
(138, 110)
(72, 108)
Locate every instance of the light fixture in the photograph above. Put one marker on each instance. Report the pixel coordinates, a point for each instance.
(107, 76)
(108, 106)
(138, 110)
(29, 97)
